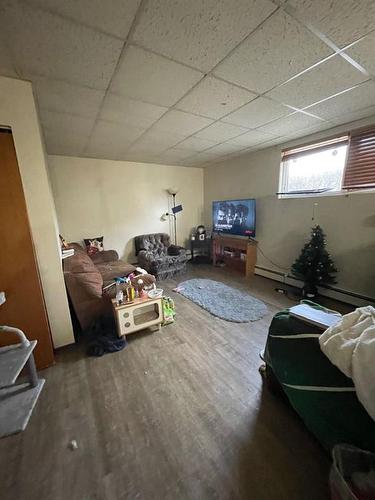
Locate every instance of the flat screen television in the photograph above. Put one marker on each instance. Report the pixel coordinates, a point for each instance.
(234, 217)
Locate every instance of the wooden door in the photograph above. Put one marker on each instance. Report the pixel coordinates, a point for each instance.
(19, 277)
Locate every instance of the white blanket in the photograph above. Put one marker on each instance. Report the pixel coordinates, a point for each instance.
(350, 345)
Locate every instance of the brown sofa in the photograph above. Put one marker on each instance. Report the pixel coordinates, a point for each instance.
(85, 278)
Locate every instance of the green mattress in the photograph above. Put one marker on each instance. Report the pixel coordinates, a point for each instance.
(321, 394)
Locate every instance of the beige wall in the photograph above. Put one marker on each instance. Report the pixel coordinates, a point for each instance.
(283, 225)
(121, 199)
(17, 110)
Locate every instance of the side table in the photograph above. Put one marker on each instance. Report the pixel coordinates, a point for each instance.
(200, 245)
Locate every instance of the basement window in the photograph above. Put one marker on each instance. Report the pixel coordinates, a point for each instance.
(334, 166)
(314, 169)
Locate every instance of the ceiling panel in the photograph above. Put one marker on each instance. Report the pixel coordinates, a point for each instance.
(6, 65)
(67, 98)
(278, 50)
(174, 154)
(155, 142)
(100, 100)
(184, 124)
(130, 111)
(112, 16)
(251, 138)
(257, 113)
(204, 157)
(65, 133)
(322, 81)
(195, 144)
(292, 123)
(355, 115)
(363, 52)
(198, 33)
(215, 98)
(225, 148)
(47, 45)
(219, 131)
(353, 100)
(343, 21)
(152, 78)
(109, 140)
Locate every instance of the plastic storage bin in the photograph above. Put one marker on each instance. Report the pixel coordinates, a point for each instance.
(352, 474)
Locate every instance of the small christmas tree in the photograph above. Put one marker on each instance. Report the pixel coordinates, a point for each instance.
(314, 266)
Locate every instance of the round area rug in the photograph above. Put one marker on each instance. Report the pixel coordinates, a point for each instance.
(223, 301)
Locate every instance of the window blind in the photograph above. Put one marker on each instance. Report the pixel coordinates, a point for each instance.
(360, 165)
(298, 152)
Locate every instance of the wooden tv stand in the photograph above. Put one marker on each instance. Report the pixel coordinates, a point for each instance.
(223, 246)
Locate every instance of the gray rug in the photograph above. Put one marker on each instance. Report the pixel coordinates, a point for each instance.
(222, 300)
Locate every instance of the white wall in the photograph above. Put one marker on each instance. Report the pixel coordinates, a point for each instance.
(122, 199)
(17, 110)
(283, 225)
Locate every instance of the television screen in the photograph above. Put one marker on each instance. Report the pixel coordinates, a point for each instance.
(234, 217)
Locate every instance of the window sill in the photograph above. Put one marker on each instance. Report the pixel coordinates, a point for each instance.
(328, 193)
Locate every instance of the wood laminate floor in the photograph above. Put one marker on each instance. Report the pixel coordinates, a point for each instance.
(179, 414)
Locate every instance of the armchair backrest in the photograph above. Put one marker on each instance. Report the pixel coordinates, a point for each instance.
(155, 243)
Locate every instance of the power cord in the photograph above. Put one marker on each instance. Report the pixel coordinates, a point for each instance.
(269, 260)
(282, 290)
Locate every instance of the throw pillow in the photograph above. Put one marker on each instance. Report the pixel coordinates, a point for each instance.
(94, 245)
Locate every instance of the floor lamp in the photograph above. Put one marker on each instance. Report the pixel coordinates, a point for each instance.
(175, 209)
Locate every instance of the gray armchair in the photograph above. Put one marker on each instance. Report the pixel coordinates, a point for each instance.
(157, 255)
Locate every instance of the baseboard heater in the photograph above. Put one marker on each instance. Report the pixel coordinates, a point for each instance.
(332, 292)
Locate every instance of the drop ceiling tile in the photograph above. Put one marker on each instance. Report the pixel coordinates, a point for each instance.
(65, 133)
(194, 144)
(224, 149)
(6, 65)
(154, 142)
(322, 81)
(112, 16)
(111, 140)
(214, 98)
(257, 113)
(363, 52)
(64, 97)
(203, 158)
(289, 124)
(220, 132)
(47, 45)
(268, 144)
(152, 78)
(355, 115)
(184, 124)
(343, 21)
(307, 131)
(174, 154)
(130, 111)
(353, 100)
(141, 157)
(251, 138)
(199, 34)
(275, 52)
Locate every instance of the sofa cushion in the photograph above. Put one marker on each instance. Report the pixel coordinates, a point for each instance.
(92, 283)
(80, 262)
(112, 270)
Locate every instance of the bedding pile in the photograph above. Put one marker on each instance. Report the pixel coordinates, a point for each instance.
(350, 345)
